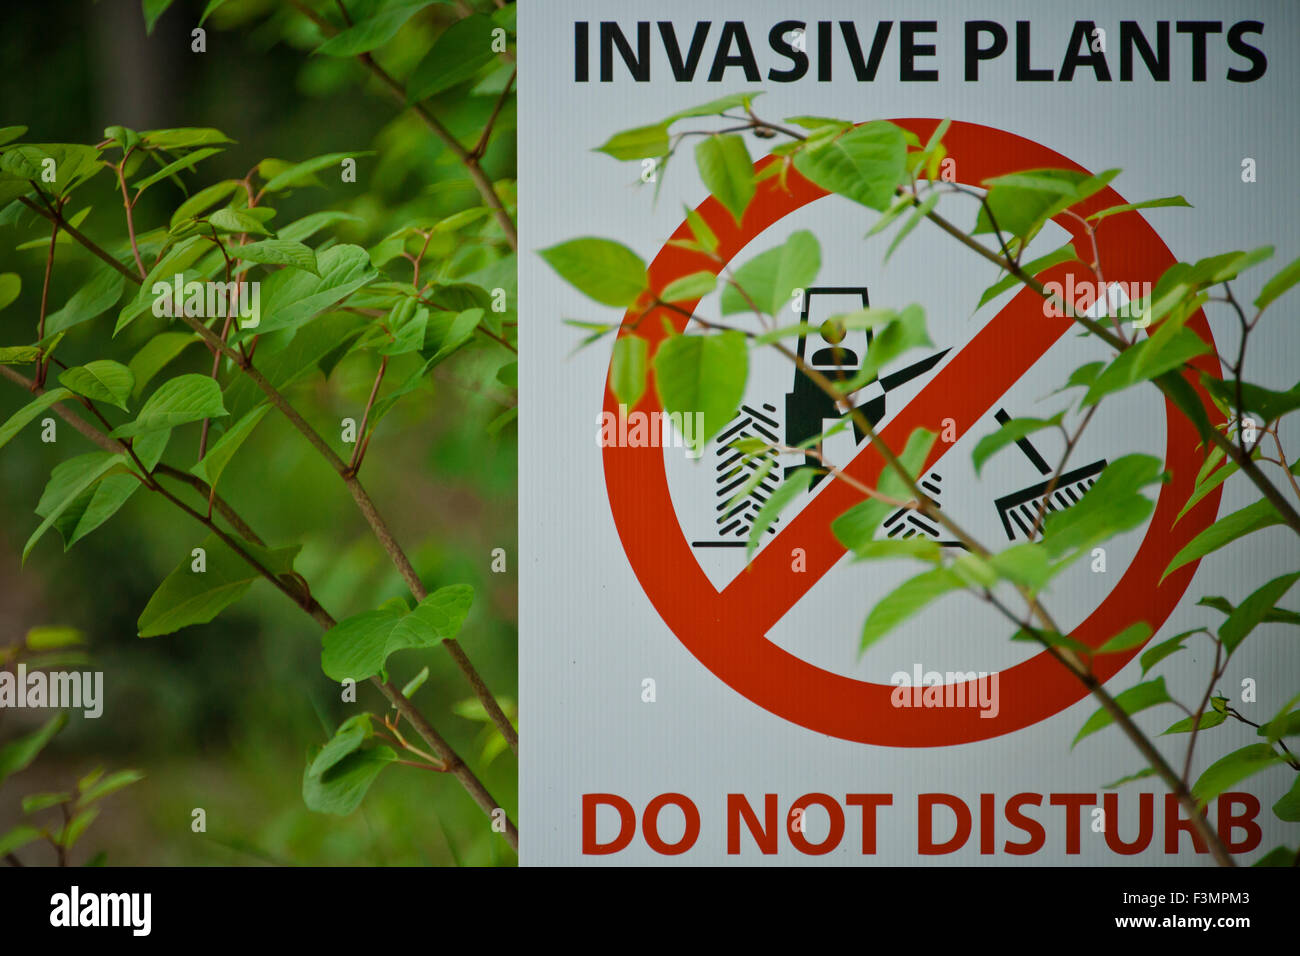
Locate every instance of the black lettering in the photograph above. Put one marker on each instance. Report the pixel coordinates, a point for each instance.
(1024, 72)
(910, 49)
(744, 57)
(865, 71)
(1258, 62)
(975, 52)
(1199, 29)
(776, 39)
(1131, 37)
(1082, 36)
(638, 63)
(684, 68)
(580, 52)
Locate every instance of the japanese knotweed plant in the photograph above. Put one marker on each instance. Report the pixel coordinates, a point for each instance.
(891, 171)
(273, 303)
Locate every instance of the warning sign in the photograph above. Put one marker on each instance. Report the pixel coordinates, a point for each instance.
(692, 695)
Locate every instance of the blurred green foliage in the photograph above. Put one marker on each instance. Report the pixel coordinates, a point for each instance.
(221, 716)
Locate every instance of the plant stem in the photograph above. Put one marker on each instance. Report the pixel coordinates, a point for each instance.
(367, 507)
(303, 598)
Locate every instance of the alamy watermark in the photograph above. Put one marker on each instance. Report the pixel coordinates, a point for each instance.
(951, 689)
(208, 299)
(651, 430)
(82, 690)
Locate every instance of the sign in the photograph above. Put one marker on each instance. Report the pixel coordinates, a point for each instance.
(684, 702)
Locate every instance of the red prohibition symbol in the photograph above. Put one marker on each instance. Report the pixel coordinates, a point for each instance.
(727, 630)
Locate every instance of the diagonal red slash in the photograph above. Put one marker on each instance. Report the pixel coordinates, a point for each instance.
(727, 631)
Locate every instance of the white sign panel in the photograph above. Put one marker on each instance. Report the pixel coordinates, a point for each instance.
(687, 701)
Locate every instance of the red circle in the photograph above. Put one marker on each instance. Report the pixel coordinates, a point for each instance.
(726, 631)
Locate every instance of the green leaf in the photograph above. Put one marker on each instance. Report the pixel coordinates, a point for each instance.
(359, 646)
(186, 398)
(303, 229)
(68, 482)
(416, 682)
(18, 754)
(88, 302)
(1253, 610)
(1268, 403)
(185, 162)
(341, 788)
(1131, 701)
(188, 597)
(913, 457)
(231, 220)
(1011, 431)
(10, 133)
(643, 142)
(460, 331)
(906, 600)
(726, 171)
(770, 279)
(408, 323)
(689, 288)
(1146, 360)
(294, 296)
(181, 257)
(10, 285)
(1135, 635)
(349, 737)
(457, 55)
(153, 9)
(1211, 718)
(902, 332)
(1232, 769)
(627, 370)
(29, 411)
(20, 354)
(913, 220)
(714, 107)
(1154, 655)
(1052, 639)
(606, 271)
(1146, 204)
(86, 510)
(219, 455)
(856, 528)
(920, 548)
(865, 164)
(1112, 505)
(155, 355)
(53, 638)
(1224, 531)
(76, 827)
(374, 24)
(787, 491)
(1065, 253)
(1278, 856)
(300, 174)
(1275, 287)
(108, 785)
(36, 802)
(1021, 202)
(202, 200)
(100, 381)
(281, 252)
(1026, 564)
(184, 137)
(1140, 775)
(1288, 807)
(17, 838)
(702, 374)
